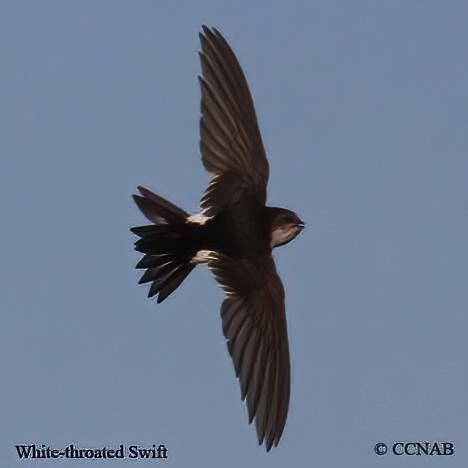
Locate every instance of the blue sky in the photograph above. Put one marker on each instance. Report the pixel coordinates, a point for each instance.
(363, 110)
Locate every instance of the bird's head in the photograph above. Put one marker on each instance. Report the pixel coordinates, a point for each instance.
(285, 226)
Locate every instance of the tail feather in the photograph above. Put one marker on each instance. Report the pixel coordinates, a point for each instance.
(155, 245)
(157, 209)
(167, 244)
(151, 229)
(151, 261)
(163, 271)
(173, 281)
(170, 283)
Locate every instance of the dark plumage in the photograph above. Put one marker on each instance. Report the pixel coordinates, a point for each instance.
(234, 235)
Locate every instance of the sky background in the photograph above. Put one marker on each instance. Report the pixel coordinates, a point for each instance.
(363, 108)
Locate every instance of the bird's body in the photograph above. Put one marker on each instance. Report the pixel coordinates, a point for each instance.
(240, 232)
(234, 234)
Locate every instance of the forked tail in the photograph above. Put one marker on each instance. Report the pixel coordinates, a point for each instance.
(169, 244)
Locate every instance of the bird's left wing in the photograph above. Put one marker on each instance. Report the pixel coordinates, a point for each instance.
(254, 325)
(230, 141)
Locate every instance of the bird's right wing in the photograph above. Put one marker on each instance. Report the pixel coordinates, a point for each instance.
(254, 325)
(230, 141)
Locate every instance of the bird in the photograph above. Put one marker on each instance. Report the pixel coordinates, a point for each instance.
(234, 234)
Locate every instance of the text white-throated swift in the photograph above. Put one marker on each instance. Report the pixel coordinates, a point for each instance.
(234, 234)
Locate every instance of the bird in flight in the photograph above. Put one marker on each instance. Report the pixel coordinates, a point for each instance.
(234, 234)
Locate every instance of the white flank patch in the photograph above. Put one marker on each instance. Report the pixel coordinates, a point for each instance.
(202, 256)
(198, 218)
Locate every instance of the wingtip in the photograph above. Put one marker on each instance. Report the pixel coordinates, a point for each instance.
(139, 200)
(210, 31)
(205, 29)
(144, 191)
(216, 31)
(269, 444)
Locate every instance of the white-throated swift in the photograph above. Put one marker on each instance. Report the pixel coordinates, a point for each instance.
(234, 234)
